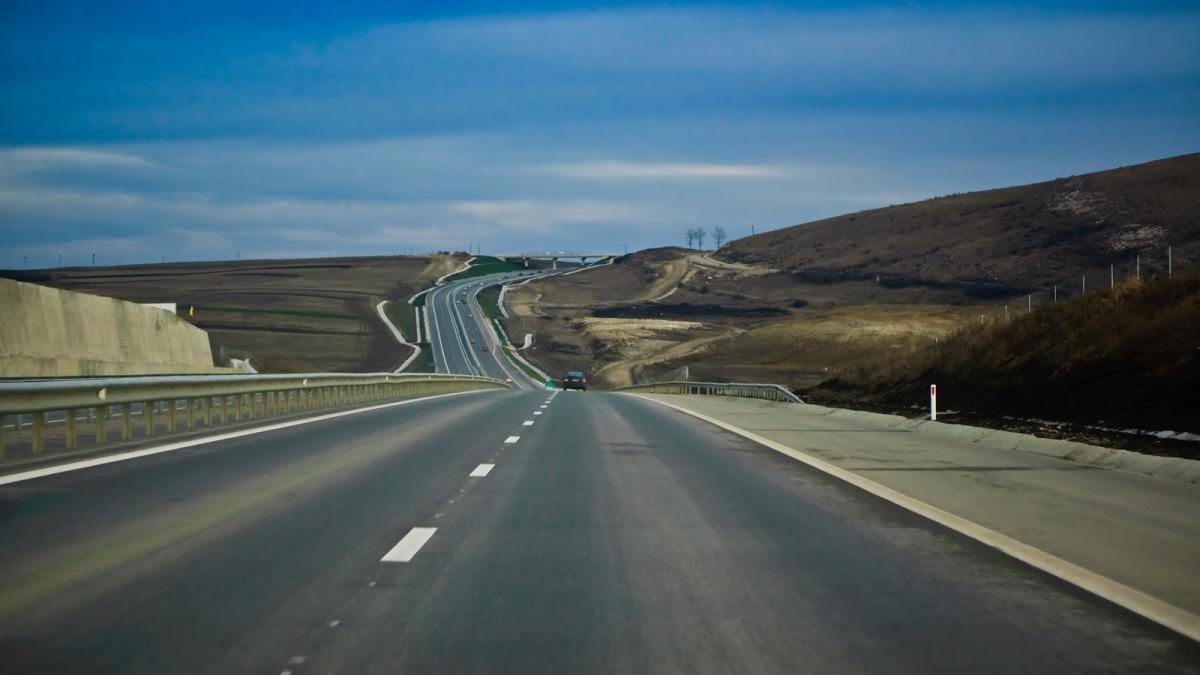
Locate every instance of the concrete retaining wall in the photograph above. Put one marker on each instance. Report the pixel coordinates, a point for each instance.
(50, 332)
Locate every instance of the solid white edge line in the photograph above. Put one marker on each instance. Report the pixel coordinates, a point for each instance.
(482, 470)
(409, 545)
(1162, 613)
(134, 454)
(512, 439)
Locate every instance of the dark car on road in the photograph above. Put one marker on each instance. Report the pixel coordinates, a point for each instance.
(574, 379)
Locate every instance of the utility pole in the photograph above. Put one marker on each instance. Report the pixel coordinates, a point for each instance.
(1056, 293)
(1084, 292)
(60, 258)
(93, 260)
(1137, 273)
(1112, 276)
(1029, 304)
(1170, 271)
(26, 262)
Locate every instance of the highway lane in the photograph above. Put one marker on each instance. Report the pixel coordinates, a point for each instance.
(612, 535)
(461, 339)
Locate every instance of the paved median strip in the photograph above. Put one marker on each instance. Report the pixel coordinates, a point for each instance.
(482, 470)
(409, 545)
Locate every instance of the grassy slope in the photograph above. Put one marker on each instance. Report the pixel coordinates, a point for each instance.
(293, 315)
(1001, 241)
(403, 316)
(486, 265)
(1121, 358)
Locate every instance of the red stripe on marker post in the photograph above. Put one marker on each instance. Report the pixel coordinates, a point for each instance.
(933, 402)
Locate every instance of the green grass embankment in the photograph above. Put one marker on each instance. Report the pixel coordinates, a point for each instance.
(489, 302)
(403, 316)
(484, 265)
(424, 361)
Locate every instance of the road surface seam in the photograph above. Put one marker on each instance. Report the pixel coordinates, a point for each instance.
(1170, 616)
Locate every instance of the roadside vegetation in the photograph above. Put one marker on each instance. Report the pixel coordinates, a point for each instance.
(403, 316)
(484, 265)
(424, 361)
(489, 302)
(520, 364)
(1122, 358)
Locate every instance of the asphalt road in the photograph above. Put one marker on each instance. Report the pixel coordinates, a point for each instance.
(611, 536)
(461, 339)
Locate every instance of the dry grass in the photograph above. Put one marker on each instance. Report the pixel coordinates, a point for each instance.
(987, 244)
(1129, 356)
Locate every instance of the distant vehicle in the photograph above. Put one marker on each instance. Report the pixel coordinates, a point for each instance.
(483, 348)
(574, 379)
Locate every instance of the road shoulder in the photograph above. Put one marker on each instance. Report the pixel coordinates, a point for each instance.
(1132, 539)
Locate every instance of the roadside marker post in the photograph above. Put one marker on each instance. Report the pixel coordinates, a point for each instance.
(933, 402)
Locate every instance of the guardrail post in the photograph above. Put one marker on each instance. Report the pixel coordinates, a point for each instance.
(70, 424)
(2, 439)
(102, 413)
(237, 407)
(171, 415)
(126, 421)
(39, 431)
(148, 423)
(207, 403)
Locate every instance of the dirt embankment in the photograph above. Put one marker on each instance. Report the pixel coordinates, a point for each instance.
(723, 320)
(311, 315)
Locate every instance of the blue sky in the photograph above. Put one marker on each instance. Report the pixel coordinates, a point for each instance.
(207, 130)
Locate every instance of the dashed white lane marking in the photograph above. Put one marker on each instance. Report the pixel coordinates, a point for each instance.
(335, 623)
(537, 412)
(482, 470)
(409, 545)
(527, 423)
(512, 439)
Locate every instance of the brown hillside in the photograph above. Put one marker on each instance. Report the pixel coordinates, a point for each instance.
(1004, 241)
(311, 315)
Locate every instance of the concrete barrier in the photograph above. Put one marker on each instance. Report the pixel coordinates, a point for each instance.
(48, 332)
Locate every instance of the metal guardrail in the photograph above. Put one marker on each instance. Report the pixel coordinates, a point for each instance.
(28, 427)
(770, 392)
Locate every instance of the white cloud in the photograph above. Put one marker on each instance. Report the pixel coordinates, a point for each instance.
(605, 169)
(543, 215)
(36, 157)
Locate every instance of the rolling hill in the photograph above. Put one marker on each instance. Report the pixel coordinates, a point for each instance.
(1002, 242)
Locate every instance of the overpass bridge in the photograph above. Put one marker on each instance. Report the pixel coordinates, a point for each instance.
(555, 256)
